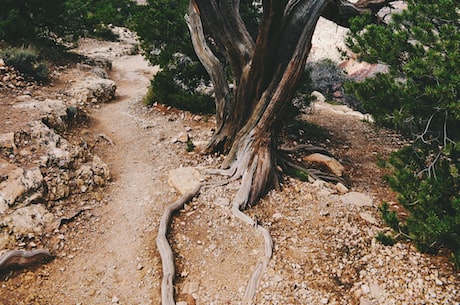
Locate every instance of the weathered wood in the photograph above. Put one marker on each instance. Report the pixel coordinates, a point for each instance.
(265, 75)
(240, 201)
(210, 62)
(21, 259)
(166, 253)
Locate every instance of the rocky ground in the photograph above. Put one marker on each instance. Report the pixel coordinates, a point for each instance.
(88, 177)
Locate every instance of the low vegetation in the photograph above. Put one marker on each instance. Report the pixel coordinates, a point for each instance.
(419, 98)
(28, 61)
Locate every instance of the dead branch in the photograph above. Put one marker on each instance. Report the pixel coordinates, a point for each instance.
(66, 220)
(103, 136)
(314, 173)
(304, 147)
(341, 11)
(21, 259)
(166, 253)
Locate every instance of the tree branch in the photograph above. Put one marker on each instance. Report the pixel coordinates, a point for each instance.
(340, 11)
(210, 62)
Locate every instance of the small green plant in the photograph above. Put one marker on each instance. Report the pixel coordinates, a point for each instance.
(190, 145)
(297, 174)
(27, 61)
(385, 239)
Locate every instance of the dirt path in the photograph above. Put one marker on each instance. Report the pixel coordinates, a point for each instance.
(115, 262)
(110, 256)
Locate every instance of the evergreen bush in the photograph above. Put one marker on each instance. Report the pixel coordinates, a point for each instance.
(419, 96)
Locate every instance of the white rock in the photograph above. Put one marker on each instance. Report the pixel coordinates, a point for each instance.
(319, 96)
(365, 289)
(191, 287)
(357, 199)
(184, 179)
(376, 291)
(342, 189)
(7, 141)
(368, 217)
(29, 219)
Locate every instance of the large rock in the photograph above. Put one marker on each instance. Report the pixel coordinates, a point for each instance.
(357, 199)
(185, 179)
(334, 166)
(52, 112)
(92, 175)
(24, 221)
(18, 185)
(94, 90)
(7, 142)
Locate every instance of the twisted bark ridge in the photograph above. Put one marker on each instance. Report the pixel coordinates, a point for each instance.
(265, 73)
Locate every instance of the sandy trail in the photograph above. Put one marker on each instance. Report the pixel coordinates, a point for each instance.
(117, 262)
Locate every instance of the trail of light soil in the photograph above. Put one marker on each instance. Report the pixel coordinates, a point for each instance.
(117, 262)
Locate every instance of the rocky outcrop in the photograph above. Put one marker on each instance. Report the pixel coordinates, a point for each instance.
(40, 168)
(94, 90)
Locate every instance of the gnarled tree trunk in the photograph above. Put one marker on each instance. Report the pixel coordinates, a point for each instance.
(265, 73)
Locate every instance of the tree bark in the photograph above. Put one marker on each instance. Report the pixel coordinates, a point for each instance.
(265, 73)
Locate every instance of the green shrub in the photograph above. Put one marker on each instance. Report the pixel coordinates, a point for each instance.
(419, 98)
(103, 32)
(433, 199)
(165, 90)
(176, 86)
(26, 61)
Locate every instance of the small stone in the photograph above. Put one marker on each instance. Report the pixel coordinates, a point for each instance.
(190, 287)
(376, 291)
(184, 179)
(342, 189)
(368, 217)
(365, 289)
(357, 199)
(365, 301)
(357, 293)
(183, 137)
(277, 278)
(140, 266)
(115, 299)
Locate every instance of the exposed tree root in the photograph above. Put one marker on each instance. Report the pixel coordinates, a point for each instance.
(21, 259)
(167, 256)
(240, 200)
(252, 169)
(305, 147)
(314, 173)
